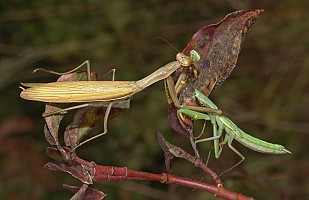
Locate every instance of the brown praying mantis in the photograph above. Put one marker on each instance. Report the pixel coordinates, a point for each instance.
(100, 91)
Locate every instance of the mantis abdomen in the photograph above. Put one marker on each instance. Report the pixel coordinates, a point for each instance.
(260, 145)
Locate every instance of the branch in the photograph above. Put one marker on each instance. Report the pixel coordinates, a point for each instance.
(89, 172)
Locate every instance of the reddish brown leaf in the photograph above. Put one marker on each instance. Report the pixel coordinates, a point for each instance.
(175, 123)
(219, 46)
(84, 119)
(54, 154)
(87, 118)
(53, 121)
(84, 192)
(167, 154)
(75, 169)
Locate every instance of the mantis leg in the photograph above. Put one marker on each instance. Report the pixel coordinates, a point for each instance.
(222, 120)
(181, 80)
(202, 132)
(86, 62)
(216, 141)
(172, 98)
(217, 133)
(229, 139)
(107, 111)
(195, 115)
(63, 111)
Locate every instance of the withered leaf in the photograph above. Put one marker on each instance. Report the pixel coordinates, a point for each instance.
(84, 192)
(219, 46)
(52, 125)
(87, 118)
(167, 154)
(75, 169)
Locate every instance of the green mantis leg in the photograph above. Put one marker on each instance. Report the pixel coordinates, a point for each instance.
(216, 142)
(226, 122)
(218, 128)
(207, 117)
(233, 132)
(242, 137)
(203, 130)
(217, 133)
(229, 137)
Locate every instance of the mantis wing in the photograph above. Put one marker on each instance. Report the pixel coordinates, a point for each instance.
(79, 91)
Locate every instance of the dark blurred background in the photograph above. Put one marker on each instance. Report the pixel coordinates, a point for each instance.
(265, 95)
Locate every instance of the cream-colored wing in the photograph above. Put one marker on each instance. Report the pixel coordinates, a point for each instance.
(31, 84)
(78, 91)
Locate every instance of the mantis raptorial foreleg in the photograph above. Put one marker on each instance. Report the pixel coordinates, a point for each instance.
(172, 98)
(181, 81)
(172, 92)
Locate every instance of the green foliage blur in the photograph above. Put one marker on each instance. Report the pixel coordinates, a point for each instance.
(265, 95)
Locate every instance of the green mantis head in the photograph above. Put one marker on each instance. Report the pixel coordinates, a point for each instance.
(195, 56)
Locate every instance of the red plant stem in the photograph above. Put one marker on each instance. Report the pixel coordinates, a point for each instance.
(123, 173)
(199, 163)
(98, 173)
(180, 153)
(206, 169)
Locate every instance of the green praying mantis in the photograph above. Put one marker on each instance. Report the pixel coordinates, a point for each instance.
(221, 123)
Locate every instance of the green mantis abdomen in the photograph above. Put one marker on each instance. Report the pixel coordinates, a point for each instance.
(260, 145)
